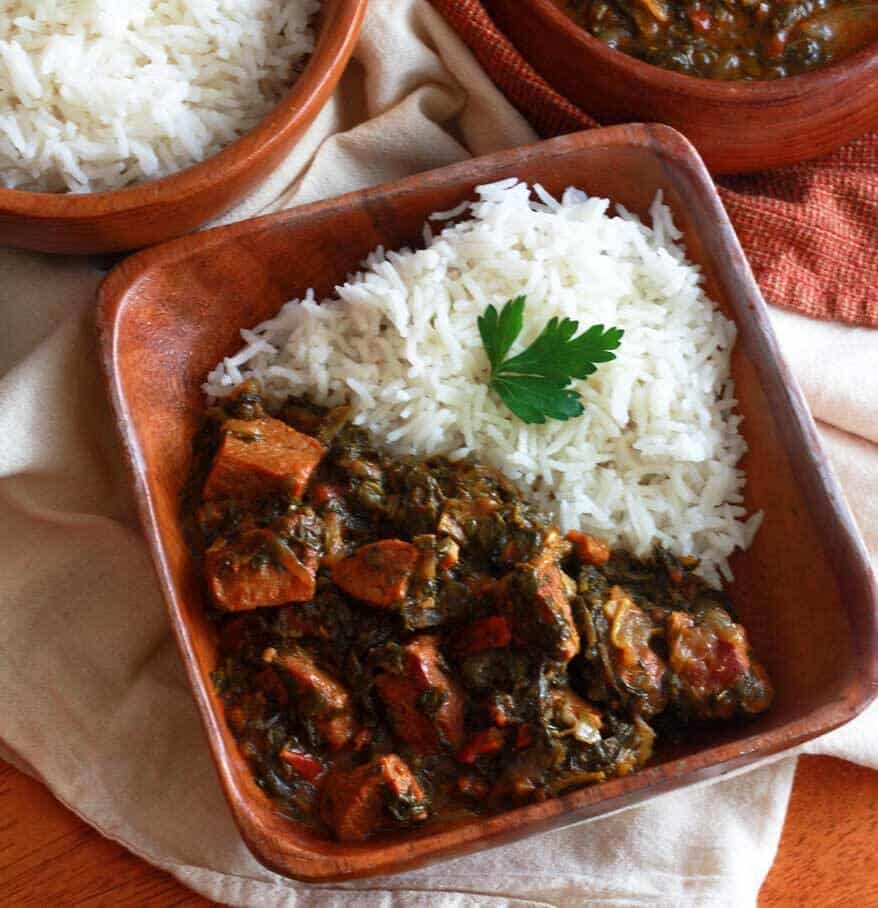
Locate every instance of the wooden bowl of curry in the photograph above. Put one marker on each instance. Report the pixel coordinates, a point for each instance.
(750, 97)
(804, 589)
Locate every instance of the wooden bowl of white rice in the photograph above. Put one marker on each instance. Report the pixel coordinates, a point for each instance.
(122, 125)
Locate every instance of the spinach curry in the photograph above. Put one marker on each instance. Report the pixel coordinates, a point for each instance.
(730, 39)
(402, 641)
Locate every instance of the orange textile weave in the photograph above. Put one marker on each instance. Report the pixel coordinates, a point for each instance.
(809, 230)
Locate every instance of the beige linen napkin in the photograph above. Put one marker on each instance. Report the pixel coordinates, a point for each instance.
(95, 700)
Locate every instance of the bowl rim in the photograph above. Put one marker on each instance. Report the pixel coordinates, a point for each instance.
(121, 289)
(336, 36)
(768, 91)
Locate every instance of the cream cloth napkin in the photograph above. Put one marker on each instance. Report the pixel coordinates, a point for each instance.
(95, 700)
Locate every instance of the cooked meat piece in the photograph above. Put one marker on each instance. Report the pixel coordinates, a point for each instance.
(260, 456)
(410, 722)
(378, 573)
(715, 675)
(356, 804)
(320, 696)
(637, 667)
(425, 705)
(258, 568)
(536, 597)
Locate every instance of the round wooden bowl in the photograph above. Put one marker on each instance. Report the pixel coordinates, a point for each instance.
(736, 126)
(157, 210)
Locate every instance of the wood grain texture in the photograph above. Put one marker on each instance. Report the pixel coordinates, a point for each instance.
(827, 853)
(157, 210)
(50, 857)
(168, 314)
(736, 126)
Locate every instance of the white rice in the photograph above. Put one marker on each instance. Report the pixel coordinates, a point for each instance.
(97, 94)
(653, 459)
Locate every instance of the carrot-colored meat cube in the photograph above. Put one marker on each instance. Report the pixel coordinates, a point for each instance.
(353, 803)
(259, 456)
(717, 676)
(320, 695)
(554, 607)
(425, 704)
(410, 723)
(537, 602)
(258, 569)
(378, 573)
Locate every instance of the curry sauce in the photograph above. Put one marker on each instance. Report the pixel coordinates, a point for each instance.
(403, 641)
(730, 39)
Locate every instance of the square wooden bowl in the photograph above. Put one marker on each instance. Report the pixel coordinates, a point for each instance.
(805, 589)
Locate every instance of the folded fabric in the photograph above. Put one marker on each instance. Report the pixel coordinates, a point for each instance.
(808, 230)
(97, 704)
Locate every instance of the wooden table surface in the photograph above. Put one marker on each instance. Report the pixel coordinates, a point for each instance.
(828, 854)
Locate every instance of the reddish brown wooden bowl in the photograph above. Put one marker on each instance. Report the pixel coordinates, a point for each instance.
(158, 210)
(805, 588)
(736, 126)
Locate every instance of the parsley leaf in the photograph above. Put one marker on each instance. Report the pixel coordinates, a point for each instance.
(499, 332)
(533, 384)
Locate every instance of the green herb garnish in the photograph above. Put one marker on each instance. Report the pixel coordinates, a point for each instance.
(534, 383)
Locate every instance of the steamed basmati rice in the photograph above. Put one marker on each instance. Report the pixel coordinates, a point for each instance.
(653, 459)
(97, 94)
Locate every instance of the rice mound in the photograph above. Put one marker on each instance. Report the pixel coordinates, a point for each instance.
(97, 94)
(654, 457)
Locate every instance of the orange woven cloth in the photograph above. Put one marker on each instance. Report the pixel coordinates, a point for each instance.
(810, 230)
